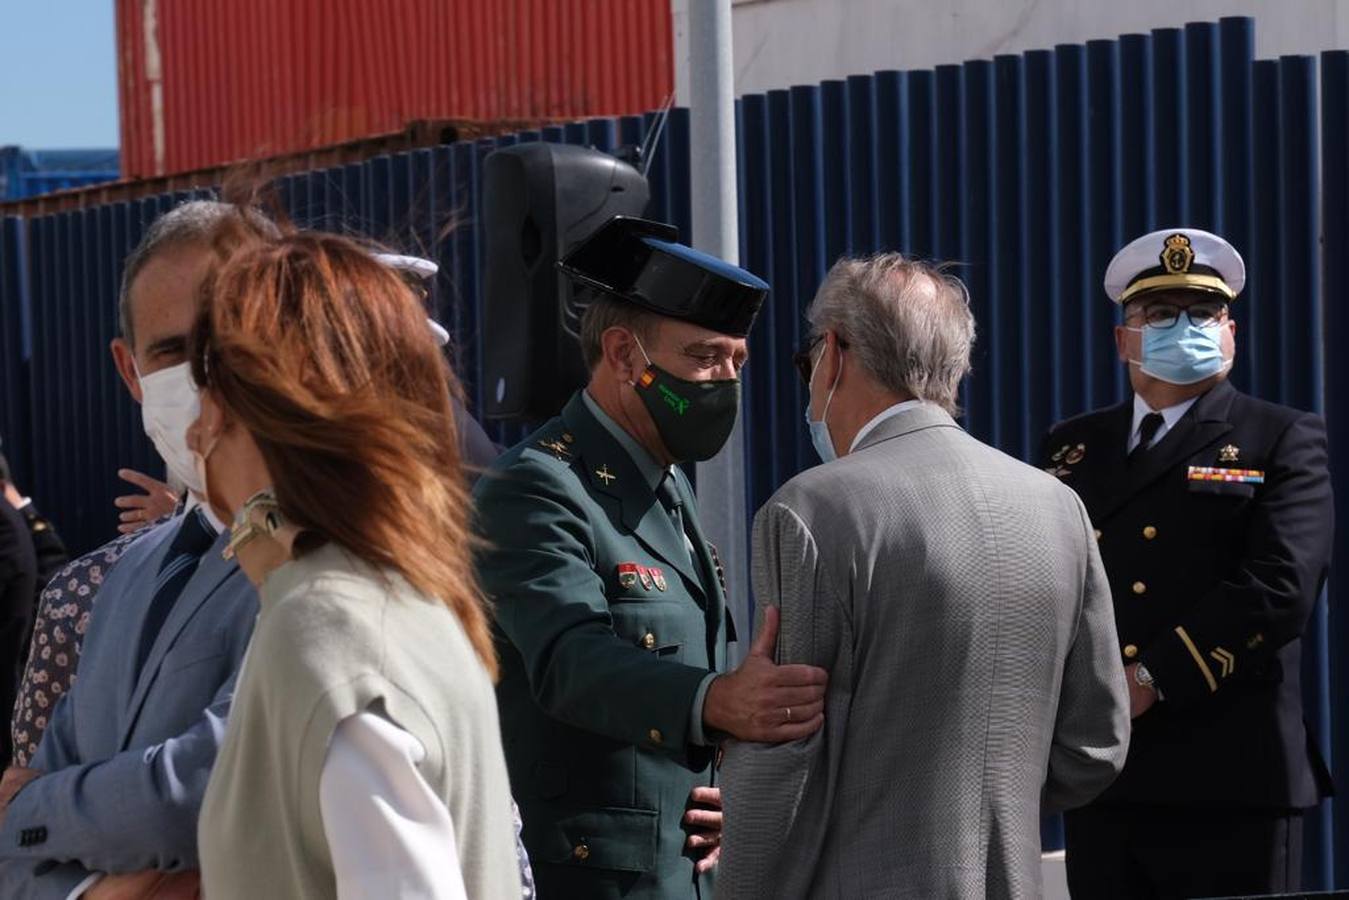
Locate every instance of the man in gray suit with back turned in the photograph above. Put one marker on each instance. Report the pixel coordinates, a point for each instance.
(957, 600)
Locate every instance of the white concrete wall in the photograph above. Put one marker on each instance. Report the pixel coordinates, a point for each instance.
(779, 43)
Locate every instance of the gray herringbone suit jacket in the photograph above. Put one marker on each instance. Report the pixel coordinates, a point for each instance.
(957, 599)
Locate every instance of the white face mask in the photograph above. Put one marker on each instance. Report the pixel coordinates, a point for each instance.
(199, 466)
(170, 403)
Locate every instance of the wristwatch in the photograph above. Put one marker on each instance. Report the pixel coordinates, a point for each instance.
(1143, 678)
(259, 516)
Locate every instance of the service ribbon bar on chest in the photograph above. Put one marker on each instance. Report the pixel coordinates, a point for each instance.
(1213, 473)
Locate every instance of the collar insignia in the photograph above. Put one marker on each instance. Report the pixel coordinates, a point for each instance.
(559, 449)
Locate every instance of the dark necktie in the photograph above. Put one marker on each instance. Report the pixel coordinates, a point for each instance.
(1146, 432)
(193, 539)
(668, 495)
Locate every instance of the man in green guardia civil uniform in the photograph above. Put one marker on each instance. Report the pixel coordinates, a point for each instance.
(611, 614)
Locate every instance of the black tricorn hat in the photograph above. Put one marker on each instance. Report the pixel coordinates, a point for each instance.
(642, 262)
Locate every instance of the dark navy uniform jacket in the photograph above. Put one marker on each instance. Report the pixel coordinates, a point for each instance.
(1217, 544)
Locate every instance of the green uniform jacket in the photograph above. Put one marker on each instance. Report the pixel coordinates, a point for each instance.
(600, 661)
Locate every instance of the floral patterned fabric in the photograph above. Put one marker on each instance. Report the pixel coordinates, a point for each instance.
(58, 632)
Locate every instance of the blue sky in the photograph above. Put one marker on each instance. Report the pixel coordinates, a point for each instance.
(58, 74)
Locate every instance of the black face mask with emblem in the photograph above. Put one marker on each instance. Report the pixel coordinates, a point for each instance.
(694, 418)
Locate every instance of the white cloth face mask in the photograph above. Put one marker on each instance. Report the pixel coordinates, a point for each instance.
(170, 403)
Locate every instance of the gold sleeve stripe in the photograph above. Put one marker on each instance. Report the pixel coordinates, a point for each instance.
(1198, 659)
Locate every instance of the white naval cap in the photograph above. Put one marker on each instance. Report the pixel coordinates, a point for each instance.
(424, 269)
(1175, 259)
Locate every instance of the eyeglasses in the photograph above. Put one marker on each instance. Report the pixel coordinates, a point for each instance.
(803, 359)
(1164, 315)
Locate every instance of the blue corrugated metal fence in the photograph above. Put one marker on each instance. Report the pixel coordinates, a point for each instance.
(1029, 171)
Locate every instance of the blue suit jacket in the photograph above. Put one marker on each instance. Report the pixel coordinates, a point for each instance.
(128, 753)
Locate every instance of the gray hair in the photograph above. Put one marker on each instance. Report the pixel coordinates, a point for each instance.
(192, 222)
(907, 322)
(605, 312)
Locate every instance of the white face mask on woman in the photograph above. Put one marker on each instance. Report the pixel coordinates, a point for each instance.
(170, 402)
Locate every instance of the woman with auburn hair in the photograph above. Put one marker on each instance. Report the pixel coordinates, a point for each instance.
(362, 756)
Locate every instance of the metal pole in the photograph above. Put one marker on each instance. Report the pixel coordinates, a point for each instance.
(706, 69)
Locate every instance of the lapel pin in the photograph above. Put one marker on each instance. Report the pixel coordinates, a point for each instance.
(1229, 454)
(605, 475)
(1075, 455)
(627, 575)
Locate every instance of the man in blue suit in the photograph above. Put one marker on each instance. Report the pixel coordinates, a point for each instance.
(110, 802)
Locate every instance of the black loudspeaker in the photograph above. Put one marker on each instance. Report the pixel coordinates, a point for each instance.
(539, 200)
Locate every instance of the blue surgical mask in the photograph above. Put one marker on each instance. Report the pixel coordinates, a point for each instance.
(1183, 353)
(819, 431)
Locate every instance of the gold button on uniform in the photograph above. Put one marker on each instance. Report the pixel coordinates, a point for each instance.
(1098, 534)
(1149, 532)
(1130, 651)
(656, 736)
(649, 642)
(1140, 587)
(581, 852)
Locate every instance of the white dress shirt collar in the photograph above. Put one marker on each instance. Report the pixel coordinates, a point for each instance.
(881, 417)
(1170, 416)
(213, 521)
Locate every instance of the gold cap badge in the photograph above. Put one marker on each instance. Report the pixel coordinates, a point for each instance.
(1178, 256)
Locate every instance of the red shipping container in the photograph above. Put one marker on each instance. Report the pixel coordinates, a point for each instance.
(204, 83)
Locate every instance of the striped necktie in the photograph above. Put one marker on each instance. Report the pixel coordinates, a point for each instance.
(193, 539)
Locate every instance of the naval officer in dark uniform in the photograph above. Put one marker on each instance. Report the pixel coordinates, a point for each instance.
(609, 602)
(1214, 516)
